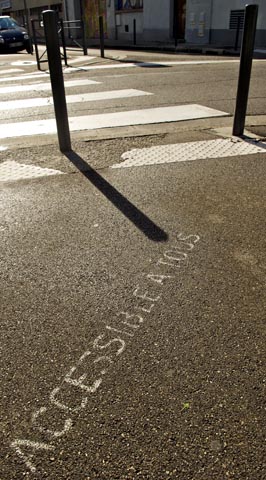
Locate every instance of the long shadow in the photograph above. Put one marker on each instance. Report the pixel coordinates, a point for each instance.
(131, 212)
(137, 63)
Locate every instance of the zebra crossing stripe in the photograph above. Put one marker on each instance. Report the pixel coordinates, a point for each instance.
(86, 97)
(44, 86)
(109, 120)
(24, 76)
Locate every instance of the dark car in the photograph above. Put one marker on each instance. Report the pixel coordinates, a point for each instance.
(13, 37)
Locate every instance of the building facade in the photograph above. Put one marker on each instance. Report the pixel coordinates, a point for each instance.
(212, 22)
(199, 22)
(215, 22)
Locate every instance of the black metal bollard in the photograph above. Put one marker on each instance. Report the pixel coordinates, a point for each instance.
(101, 36)
(62, 31)
(57, 80)
(35, 44)
(134, 32)
(247, 48)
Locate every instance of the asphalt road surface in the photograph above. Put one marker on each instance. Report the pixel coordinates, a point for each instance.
(133, 307)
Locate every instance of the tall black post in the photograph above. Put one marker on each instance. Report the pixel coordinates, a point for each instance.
(83, 28)
(247, 48)
(101, 36)
(57, 80)
(62, 31)
(36, 44)
(134, 32)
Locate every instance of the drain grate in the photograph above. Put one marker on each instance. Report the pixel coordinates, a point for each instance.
(183, 152)
(11, 171)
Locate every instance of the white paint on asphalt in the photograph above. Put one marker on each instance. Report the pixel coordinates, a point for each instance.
(11, 171)
(45, 86)
(150, 64)
(183, 152)
(25, 76)
(24, 63)
(86, 97)
(27, 458)
(109, 120)
(153, 64)
(10, 70)
(88, 372)
(80, 59)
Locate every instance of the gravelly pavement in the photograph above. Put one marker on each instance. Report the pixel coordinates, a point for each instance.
(133, 336)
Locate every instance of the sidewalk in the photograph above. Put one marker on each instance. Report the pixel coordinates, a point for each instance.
(180, 48)
(133, 297)
(133, 303)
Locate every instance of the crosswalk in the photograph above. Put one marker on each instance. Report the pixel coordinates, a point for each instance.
(32, 94)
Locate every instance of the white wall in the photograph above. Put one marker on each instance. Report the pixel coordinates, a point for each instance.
(157, 20)
(198, 21)
(221, 12)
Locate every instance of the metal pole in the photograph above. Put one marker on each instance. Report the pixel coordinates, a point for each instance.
(83, 27)
(245, 68)
(36, 44)
(101, 36)
(63, 40)
(57, 80)
(134, 32)
(27, 17)
(84, 40)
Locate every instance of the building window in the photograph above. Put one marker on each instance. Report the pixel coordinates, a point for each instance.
(128, 4)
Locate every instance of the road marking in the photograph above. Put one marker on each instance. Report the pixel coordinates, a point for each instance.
(25, 76)
(152, 64)
(118, 65)
(24, 63)
(45, 86)
(183, 152)
(100, 357)
(80, 59)
(149, 64)
(86, 97)
(11, 171)
(108, 120)
(10, 70)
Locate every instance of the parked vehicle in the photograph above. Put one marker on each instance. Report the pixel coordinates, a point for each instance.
(13, 37)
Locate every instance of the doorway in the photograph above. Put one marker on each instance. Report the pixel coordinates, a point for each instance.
(179, 26)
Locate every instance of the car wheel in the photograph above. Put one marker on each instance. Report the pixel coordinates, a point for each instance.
(29, 49)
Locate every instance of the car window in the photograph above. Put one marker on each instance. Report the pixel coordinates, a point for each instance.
(6, 23)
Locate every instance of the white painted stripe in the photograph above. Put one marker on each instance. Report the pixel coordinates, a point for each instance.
(44, 86)
(24, 63)
(107, 120)
(12, 171)
(10, 70)
(115, 65)
(25, 76)
(80, 59)
(150, 64)
(153, 64)
(86, 97)
(183, 152)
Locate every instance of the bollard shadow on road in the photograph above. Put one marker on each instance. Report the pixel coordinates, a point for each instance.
(129, 210)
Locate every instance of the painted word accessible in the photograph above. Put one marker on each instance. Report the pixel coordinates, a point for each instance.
(88, 372)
